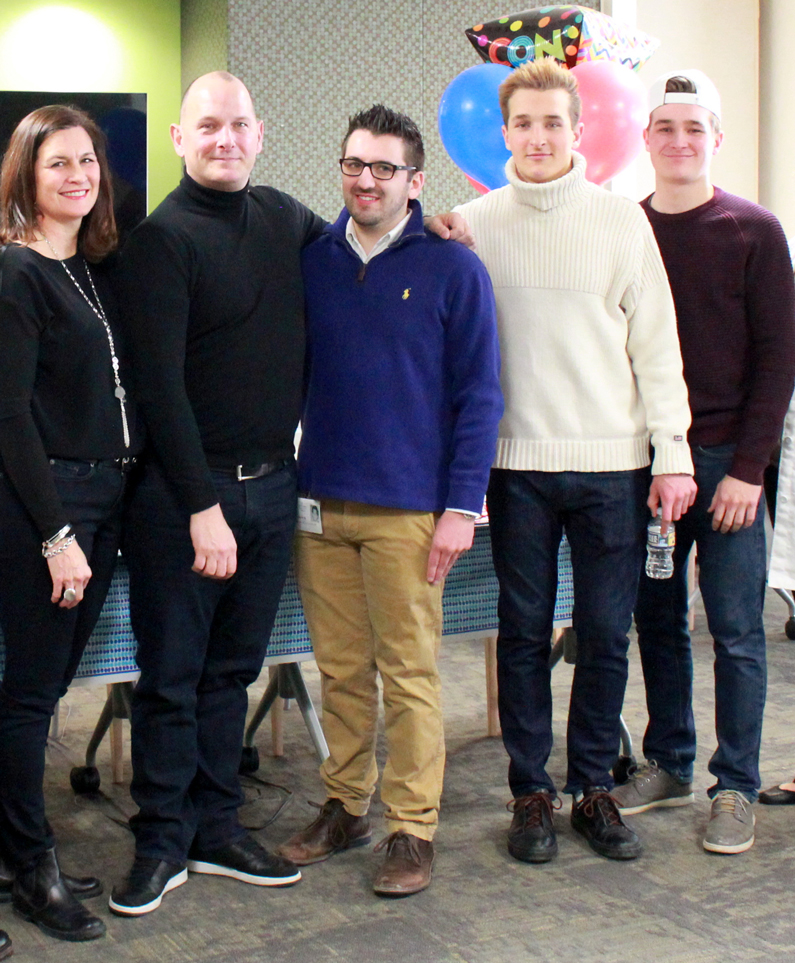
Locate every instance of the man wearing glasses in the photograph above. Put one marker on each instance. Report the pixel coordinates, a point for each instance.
(399, 430)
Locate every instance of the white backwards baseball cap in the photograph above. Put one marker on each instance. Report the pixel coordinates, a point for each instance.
(706, 94)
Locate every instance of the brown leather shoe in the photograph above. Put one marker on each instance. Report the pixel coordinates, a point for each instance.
(333, 831)
(407, 867)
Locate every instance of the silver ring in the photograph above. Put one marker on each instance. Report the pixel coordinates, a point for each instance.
(69, 595)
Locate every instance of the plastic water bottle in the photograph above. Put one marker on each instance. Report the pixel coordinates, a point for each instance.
(660, 548)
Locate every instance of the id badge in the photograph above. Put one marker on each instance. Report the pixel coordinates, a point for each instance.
(309, 519)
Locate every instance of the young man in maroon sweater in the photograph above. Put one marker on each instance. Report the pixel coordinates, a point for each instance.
(731, 277)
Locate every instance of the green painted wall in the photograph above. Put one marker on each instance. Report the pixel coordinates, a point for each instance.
(101, 45)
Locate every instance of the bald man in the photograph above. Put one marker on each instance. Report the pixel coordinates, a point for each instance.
(214, 311)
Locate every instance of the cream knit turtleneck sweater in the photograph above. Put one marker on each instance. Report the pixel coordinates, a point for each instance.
(591, 368)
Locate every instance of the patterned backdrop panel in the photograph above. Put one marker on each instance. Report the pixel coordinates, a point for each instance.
(311, 65)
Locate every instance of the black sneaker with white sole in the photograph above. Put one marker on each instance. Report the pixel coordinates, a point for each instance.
(147, 882)
(244, 860)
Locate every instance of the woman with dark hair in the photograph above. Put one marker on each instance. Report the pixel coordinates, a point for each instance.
(67, 441)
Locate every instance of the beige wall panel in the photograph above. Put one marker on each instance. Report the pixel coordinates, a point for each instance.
(720, 37)
(776, 132)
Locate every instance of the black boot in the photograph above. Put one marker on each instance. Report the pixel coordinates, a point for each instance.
(6, 949)
(42, 897)
(83, 887)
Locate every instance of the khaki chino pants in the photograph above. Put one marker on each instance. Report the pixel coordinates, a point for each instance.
(370, 611)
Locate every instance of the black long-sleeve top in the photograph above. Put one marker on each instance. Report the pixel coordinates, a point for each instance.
(213, 302)
(731, 278)
(56, 380)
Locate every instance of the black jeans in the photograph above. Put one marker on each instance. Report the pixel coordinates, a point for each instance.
(201, 643)
(604, 515)
(44, 643)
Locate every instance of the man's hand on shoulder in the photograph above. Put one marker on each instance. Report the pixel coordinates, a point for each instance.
(676, 493)
(451, 227)
(734, 504)
(214, 544)
(453, 536)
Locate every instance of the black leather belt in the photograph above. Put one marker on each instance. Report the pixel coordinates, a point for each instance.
(246, 472)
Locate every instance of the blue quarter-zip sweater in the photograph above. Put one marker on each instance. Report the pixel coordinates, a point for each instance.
(402, 393)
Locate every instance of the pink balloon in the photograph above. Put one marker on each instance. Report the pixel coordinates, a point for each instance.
(615, 112)
(480, 188)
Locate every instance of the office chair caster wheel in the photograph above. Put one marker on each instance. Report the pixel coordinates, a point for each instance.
(84, 780)
(249, 760)
(789, 628)
(621, 769)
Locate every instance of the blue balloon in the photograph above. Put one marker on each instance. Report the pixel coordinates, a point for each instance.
(470, 123)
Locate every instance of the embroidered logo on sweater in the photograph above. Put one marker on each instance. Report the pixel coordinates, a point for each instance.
(406, 293)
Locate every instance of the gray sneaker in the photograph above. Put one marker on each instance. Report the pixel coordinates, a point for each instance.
(650, 787)
(731, 823)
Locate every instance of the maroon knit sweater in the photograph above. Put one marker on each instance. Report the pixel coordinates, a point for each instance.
(731, 277)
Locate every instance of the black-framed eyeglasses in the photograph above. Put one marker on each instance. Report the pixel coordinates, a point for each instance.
(381, 170)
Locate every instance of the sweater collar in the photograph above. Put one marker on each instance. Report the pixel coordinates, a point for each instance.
(692, 214)
(211, 199)
(562, 192)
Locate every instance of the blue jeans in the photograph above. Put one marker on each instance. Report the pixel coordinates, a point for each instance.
(44, 642)
(201, 643)
(732, 582)
(604, 515)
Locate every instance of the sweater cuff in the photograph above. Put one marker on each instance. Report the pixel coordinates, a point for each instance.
(747, 470)
(465, 500)
(672, 459)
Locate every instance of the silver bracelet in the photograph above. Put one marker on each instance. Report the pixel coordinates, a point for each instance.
(57, 549)
(49, 542)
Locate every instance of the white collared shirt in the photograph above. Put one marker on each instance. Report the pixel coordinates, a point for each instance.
(381, 244)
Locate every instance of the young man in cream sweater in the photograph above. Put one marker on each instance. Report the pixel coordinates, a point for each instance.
(591, 374)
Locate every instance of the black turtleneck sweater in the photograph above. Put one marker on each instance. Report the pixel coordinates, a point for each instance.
(213, 302)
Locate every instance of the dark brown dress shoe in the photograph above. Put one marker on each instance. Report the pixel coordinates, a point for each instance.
(334, 831)
(407, 867)
(777, 796)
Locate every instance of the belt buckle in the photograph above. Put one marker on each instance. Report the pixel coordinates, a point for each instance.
(240, 476)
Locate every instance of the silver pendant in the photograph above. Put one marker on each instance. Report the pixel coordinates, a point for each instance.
(120, 393)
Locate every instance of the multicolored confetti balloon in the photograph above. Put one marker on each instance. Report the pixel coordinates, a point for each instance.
(571, 34)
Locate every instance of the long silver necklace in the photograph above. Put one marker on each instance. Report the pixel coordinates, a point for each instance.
(97, 308)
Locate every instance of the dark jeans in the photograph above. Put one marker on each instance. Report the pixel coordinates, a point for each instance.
(604, 515)
(44, 642)
(732, 582)
(201, 642)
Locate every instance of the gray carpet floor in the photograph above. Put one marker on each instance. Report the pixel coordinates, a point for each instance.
(676, 904)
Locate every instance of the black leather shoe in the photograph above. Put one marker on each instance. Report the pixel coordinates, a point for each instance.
(147, 882)
(6, 949)
(83, 887)
(531, 837)
(596, 817)
(776, 796)
(246, 860)
(41, 897)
